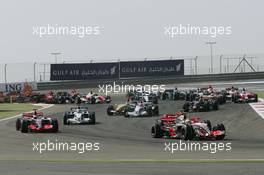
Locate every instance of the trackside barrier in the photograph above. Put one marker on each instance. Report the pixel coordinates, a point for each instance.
(150, 80)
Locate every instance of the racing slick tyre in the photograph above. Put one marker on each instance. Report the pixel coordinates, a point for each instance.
(78, 100)
(186, 107)
(93, 100)
(187, 132)
(149, 111)
(93, 121)
(192, 97)
(235, 99)
(220, 100)
(65, 120)
(156, 131)
(108, 99)
(224, 98)
(206, 106)
(209, 124)
(18, 124)
(156, 110)
(24, 126)
(184, 133)
(176, 96)
(163, 96)
(55, 124)
(126, 113)
(59, 101)
(109, 110)
(54, 101)
(187, 97)
(63, 100)
(220, 127)
(191, 132)
(215, 105)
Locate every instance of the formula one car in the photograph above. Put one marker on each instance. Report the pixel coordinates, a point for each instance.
(242, 96)
(210, 93)
(79, 115)
(63, 97)
(94, 99)
(204, 104)
(118, 109)
(134, 95)
(151, 98)
(142, 110)
(173, 94)
(49, 97)
(37, 98)
(207, 92)
(230, 93)
(179, 127)
(143, 96)
(36, 122)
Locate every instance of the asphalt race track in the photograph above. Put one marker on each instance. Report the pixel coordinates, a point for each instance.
(62, 168)
(126, 145)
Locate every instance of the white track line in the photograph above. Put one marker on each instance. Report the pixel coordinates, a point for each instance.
(46, 107)
(258, 107)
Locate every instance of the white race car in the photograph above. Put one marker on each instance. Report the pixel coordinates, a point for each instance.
(79, 115)
(142, 110)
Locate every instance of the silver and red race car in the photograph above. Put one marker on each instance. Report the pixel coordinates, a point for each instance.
(92, 98)
(36, 122)
(178, 126)
(240, 95)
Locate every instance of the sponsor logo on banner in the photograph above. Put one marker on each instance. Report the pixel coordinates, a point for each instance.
(84, 71)
(16, 87)
(151, 68)
(126, 69)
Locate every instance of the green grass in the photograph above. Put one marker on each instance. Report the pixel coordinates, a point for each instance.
(260, 94)
(12, 109)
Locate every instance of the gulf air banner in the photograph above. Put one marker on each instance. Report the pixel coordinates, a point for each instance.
(154, 68)
(84, 71)
(123, 69)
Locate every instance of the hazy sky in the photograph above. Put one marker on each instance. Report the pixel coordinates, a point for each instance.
(129, 29)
